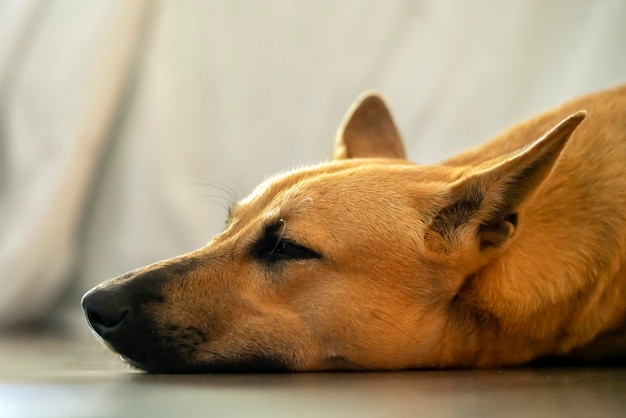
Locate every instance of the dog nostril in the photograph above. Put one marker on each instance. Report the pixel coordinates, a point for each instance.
(106, 321)
(104, 316)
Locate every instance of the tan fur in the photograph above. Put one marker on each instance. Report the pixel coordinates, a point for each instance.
(499, 256)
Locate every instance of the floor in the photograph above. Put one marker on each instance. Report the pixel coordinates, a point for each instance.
(49, 377)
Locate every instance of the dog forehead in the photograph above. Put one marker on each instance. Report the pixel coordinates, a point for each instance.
(333, 185)
(328, 179)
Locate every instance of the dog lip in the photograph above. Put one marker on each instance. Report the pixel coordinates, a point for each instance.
(132, 362)
(257, 364)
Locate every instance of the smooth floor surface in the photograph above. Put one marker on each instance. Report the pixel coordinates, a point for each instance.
(43, 377)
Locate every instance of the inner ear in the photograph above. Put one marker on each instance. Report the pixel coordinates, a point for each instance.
(512, 219)
(485, 203)
(368, 131)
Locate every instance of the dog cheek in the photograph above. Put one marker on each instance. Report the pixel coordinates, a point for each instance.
(359, 325)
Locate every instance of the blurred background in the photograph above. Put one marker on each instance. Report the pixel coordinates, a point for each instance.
(128, 126)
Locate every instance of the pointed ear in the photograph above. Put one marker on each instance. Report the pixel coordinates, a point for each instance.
(484, 204)
(368, 131)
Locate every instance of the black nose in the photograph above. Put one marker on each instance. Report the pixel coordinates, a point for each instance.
(106, 310)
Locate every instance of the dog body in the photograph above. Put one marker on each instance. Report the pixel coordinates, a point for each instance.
(502, 255)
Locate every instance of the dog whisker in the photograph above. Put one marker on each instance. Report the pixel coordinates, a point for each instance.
(225, 200)
(394, 323)
(220, 201)
(232, 195)
(353, 365)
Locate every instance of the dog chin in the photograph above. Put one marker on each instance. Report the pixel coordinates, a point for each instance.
(257, 364)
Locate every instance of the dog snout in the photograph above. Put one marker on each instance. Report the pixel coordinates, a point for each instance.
(121, 312)
(107, 310)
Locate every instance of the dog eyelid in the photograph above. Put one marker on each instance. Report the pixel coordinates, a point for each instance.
(274, 247)
(288, 250)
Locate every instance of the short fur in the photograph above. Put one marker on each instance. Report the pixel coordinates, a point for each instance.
(502, 255)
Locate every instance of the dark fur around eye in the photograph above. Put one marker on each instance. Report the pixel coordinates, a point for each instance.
(272, 247)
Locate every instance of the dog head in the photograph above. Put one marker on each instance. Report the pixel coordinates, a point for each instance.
(356, 263)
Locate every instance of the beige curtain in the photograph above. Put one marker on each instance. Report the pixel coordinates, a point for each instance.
(123, 122)
(64, 66)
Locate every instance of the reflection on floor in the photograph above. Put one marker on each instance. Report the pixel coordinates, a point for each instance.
(49, 377)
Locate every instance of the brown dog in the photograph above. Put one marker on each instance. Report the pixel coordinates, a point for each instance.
(500, 256)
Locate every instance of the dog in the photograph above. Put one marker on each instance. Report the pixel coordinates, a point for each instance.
(501, 256)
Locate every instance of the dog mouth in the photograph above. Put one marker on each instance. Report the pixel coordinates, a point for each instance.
(120, 316)
(172, 349)
(166, 354)
(254, 364)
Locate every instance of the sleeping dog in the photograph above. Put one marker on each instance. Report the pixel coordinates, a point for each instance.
(502, 255)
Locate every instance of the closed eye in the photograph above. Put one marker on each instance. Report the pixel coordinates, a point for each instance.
(272, 248)
(285, 249)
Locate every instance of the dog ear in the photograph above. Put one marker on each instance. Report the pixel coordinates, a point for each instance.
(368, 131)
(485, 202)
